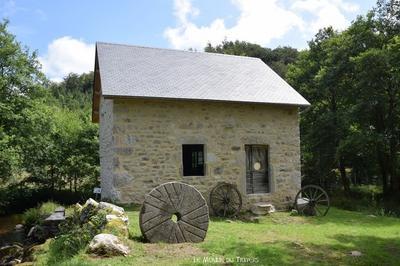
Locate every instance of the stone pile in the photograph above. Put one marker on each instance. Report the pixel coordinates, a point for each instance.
(110, 241)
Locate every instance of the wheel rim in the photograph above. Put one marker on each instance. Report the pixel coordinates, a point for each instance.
(225, 200)
(312, 200)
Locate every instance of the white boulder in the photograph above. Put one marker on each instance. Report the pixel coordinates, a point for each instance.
(262, 208)
(107, 245)
(114, 208)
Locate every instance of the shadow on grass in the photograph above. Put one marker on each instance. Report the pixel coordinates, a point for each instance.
(131, 207)
(352, 218)
(375, 251)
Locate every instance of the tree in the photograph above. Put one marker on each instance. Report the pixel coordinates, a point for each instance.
(20, 83)
(321, 74)
(278, 59)
(352, 80)
(378, 106)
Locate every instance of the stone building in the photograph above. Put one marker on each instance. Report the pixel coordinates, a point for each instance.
(194, 117)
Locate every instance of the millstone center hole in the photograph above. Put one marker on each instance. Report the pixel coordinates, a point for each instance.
(175, 217)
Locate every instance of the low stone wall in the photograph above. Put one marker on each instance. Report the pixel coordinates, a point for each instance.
(145, 148)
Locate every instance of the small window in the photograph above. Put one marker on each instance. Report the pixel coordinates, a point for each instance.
(193, 159)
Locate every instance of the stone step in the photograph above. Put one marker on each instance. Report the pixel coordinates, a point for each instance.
(262, 208)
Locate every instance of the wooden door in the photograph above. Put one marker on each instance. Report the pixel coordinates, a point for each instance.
(256, 169)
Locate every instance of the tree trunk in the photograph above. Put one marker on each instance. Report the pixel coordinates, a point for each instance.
(343, 177)
(383, 170)
(75, 180)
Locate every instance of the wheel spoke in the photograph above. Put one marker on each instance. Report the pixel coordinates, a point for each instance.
(225, 200)
(219, 192)
(312, 200)
(306, 194)
(318, 210)
(319, 196)
(217, 197)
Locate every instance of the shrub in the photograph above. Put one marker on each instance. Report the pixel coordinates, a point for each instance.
(34, 216)
(18, 198)
(31, 217)
(48, 207)
(75, 234)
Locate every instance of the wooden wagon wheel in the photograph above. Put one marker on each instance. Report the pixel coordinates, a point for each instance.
(225, 200)
(312, 200)
(174, 212)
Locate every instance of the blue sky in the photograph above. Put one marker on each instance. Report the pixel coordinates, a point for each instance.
(64, 32)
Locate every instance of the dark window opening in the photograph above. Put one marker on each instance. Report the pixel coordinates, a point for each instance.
(193, 159)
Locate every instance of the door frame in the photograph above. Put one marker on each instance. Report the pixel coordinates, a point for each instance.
(267, 168)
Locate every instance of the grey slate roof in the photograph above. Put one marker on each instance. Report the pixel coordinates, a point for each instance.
(133, 71)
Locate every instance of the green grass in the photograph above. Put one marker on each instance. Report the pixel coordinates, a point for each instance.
(279, 239)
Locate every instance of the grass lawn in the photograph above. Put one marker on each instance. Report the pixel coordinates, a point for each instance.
(278, 239)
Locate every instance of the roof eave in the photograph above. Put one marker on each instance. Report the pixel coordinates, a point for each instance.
(96, 91)
(108, 96)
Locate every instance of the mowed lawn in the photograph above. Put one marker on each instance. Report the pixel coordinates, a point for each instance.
(278, 239)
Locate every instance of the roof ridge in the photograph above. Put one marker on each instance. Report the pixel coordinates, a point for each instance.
(177, 50)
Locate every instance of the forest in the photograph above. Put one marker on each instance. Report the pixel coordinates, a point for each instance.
(350, 135)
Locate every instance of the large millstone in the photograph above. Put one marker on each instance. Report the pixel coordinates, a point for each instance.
(174, 212)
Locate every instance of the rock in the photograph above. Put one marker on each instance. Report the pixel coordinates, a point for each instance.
(88, 210)
(110, 217)
(294, 212)
(355, 253)
(31, 231)
(117, 227)
(11, 254)
(78, 207)
(91, 202)
(19, 227)
(262, 208)
(111, 207)
(107, 245)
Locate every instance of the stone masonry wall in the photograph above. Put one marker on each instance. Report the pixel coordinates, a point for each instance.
(147, 138)
(106, 151)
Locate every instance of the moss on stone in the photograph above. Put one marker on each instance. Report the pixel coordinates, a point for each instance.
(116, 227)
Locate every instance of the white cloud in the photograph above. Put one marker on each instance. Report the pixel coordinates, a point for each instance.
(65, 55)
(260, 21)
(183, 8)
(325, 13)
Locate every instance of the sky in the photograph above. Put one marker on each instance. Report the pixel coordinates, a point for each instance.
(64, 32)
